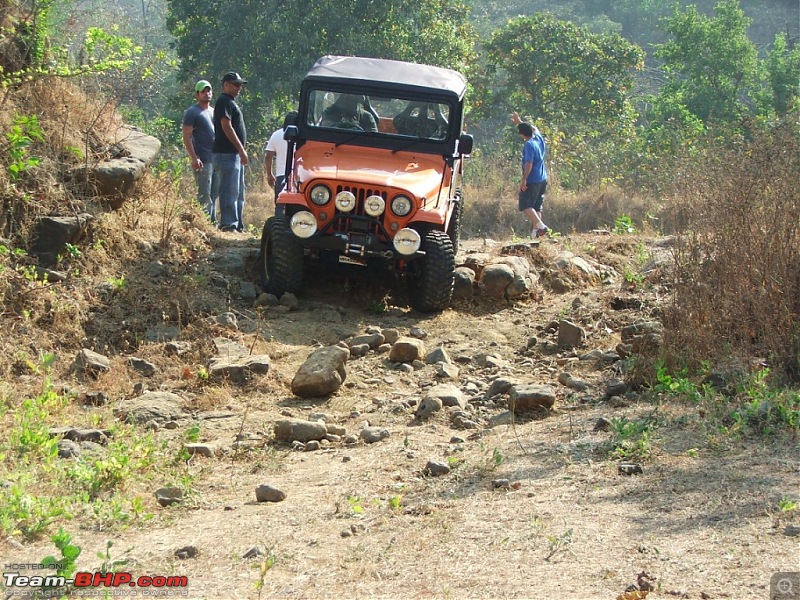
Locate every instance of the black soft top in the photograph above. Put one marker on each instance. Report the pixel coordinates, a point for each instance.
(343, 69)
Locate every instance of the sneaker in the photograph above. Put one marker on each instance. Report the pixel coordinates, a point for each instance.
(228, 228)
(541, 232)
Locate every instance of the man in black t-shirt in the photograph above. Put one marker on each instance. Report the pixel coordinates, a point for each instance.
(230, 156)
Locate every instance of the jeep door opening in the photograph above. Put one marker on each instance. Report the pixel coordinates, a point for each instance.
(373, 174)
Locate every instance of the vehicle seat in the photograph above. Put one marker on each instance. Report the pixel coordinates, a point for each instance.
(369, 108)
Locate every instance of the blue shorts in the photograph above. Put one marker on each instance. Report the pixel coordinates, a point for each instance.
(533, 196)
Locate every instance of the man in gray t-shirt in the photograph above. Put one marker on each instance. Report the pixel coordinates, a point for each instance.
(198, 139)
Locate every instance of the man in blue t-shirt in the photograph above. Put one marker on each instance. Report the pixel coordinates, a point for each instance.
(198, 139)
(230, 156)
(534, 176)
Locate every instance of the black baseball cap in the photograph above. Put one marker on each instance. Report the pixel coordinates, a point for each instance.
(233, 77)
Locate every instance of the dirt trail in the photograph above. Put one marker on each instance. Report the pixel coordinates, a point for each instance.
(531, 509)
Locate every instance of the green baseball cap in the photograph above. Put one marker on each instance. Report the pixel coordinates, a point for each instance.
(201, 85)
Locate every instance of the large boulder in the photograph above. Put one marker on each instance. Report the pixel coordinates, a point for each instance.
(132, 153)
(322, 373)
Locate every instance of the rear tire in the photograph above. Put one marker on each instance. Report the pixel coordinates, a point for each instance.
(433, 276)
(281, 258)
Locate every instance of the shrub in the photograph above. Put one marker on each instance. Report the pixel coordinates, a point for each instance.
(737, 285)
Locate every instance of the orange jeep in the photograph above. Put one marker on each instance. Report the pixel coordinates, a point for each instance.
(374, 169)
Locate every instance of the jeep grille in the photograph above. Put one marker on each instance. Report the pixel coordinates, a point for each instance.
(357, 220)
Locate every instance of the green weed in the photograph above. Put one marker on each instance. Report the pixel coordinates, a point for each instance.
(623, 225)
(632, 439)
(355, 504)
(675, 384)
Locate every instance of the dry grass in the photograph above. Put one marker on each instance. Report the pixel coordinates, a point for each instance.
(738, 259)
(491, 205)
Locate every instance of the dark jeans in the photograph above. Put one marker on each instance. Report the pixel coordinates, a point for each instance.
(207, 189)
(230, 171)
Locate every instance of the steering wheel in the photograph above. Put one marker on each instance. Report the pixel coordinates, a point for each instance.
(348, 125)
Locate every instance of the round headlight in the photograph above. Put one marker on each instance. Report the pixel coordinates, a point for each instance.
(320, 195)
(407, 241)
(401, 206)
(374, 206)
(303, 224)
(345, 201)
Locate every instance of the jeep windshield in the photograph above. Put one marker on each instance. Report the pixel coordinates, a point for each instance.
(390, 117)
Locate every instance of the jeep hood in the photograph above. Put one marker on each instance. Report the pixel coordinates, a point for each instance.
(418, 174)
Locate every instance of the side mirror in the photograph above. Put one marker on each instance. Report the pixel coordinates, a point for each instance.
(465, 143)
(291, 133)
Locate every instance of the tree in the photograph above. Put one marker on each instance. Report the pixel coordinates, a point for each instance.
(709, 62)
(782, 66)
(560, 72)
(273, 43)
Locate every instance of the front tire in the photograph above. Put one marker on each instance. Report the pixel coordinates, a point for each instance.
(281, 258)
(433, 276)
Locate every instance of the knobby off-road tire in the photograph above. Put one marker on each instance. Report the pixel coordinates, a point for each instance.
(281, 258)
(454, 228)
(432, 278)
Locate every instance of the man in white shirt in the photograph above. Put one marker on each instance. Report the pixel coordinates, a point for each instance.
(275, 155)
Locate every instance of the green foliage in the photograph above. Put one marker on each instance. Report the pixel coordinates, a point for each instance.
(100, 50)
(193, 433)
(559, 72)
(44, 488)
(110, 564)
(24, 131)
(767, 410)
(632, 439)
(118, 283)
(574, 84)
(623, 225)
(67, 561)
(781, 68)
(675, 384)
(355, 504)
(273, 44)
(28, 514)
(710, 81)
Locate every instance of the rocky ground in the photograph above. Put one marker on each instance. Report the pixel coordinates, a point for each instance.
(344, 445)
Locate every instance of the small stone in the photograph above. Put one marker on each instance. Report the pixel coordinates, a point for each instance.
(68, 449)
(501, 484)
(602, 424)
(167, 496)
(437, 468)
(630, 469)
(206, 450)
(186, 552)
(792, 530)
(374, 434)
(254, 552)
(267, 493)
